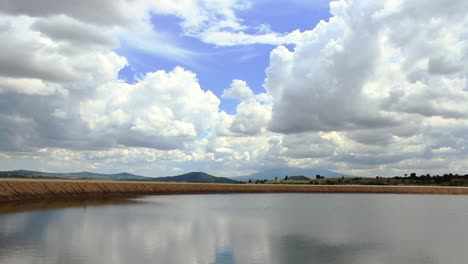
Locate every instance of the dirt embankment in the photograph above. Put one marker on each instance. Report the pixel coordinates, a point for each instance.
(17, 190)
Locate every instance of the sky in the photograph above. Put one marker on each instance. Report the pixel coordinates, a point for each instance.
(231, 87)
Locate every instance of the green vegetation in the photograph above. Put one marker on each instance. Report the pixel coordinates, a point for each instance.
(412, 179)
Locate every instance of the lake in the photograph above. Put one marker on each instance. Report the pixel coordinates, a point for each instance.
(239, 228)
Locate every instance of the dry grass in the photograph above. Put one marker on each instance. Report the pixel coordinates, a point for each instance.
(24, 189)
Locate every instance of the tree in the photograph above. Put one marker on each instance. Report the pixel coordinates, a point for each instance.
(250, 181)
(276, 178)
(286, 178)
(318, 176)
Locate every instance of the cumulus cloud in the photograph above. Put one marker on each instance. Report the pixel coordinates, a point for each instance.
(253, 111)
(320, 82)
(29, 55)
(163, 110)
(102, 12)
(29, 86)
(353, 72)
(310, 145)
(251, 118)
(238, 90)
(384, 75)
(63, 28)
(379, 88)
(67, 58)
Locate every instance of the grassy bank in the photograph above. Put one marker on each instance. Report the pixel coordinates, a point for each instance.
(371, 181)
(445, 180)
(17, 189)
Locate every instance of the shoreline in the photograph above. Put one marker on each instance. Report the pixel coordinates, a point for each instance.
(41, 189)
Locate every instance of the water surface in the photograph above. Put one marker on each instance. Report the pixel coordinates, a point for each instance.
(240, 228)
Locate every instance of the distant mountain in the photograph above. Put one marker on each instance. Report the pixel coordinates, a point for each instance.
(270, 174)
(72, 175)
(199, 177)
(195, 177)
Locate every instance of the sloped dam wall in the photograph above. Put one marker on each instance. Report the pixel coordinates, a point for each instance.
(21, 189)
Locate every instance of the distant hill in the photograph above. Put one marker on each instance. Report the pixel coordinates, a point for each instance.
(71, 175)
(199, 177)
(298, 178)
(270, 174)
(195, 177)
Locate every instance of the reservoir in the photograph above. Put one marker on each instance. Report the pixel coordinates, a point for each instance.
(239, 228)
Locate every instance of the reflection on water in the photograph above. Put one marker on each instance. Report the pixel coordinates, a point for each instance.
(242, 228)
(22, 206)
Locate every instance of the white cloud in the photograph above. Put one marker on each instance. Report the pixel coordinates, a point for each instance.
(163, 110)
(379, 88)
(251, 118)
(355, 71)
(63, 28)
(253, 112)
(443, 150)
(66, 58)
(106, 12)
(381, 74)
(216, 22)
(236, 38)
(29, 86)
(28, 54)
(238, 90)
(144, 37)
(310, 145)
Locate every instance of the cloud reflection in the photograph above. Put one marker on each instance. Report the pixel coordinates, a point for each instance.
(253, 228)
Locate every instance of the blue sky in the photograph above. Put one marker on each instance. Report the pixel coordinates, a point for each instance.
(216, 66)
